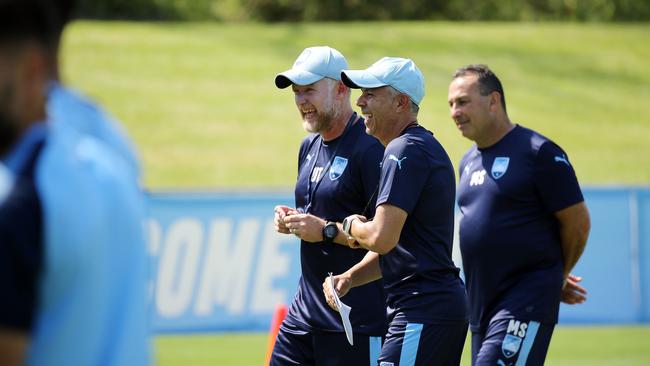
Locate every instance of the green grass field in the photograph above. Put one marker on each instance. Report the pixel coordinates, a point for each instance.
(575, 346)
(200, 102)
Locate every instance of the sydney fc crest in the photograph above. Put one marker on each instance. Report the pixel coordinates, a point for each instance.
(338, 167)
(499, 167)
(510, 345)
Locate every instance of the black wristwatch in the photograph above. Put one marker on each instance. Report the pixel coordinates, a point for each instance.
(330, 231)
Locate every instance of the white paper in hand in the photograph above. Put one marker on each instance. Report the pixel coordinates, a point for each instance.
(344, 311)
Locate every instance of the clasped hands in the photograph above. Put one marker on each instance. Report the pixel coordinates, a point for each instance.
(307, 227)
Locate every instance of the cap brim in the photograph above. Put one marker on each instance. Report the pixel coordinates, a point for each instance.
(358, 79)
(295, 76)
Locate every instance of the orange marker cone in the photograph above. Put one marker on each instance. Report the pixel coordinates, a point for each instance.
(278, 317)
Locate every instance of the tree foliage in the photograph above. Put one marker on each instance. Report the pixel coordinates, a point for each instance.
(347, 10)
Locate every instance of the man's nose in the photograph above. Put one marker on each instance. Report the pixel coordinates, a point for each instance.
(454, 112)
(300, 99)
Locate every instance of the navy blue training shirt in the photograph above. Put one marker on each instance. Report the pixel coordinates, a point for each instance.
(509, 236)
(342, 176)
(21, 233)
(421, 281)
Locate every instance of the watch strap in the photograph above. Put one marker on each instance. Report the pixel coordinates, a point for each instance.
(347, 226)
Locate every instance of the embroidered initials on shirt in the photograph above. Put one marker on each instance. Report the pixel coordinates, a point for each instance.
(478, 177)
(316, 173)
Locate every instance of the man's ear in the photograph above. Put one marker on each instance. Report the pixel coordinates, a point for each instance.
(403, 102)
(341, 88)
(495, 101)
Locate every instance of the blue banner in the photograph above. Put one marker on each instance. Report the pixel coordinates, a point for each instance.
(217, 263)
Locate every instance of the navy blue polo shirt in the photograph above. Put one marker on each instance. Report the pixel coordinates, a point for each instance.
(336, 179)
(509, 236)
(21, 230)
(421, 281)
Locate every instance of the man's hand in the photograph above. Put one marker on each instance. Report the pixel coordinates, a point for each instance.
(572, 293)
(342, 285)
(13, 347)
(280, 212)
(305, 226)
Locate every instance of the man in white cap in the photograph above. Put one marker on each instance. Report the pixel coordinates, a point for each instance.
(410, 237)
(338, 172)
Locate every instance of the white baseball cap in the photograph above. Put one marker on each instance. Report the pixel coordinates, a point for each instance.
(400, 73)
(313, 64)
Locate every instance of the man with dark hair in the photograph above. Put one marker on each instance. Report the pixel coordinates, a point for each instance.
(524, 225)
(488, 82)
(72, 256)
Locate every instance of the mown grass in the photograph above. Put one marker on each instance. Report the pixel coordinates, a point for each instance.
(199, 99)
(575, 346)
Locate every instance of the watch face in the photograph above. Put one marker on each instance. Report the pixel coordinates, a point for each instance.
(330, 231)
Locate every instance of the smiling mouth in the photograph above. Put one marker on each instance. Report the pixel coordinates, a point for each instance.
(460, 124)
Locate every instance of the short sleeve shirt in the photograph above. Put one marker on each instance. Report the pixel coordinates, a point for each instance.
(72, 255)
(336, 179)
(421, 281)
(509, 237)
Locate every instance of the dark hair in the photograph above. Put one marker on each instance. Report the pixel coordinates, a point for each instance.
(66, 10)
(29, 20)
(488, 82)
(65, 13)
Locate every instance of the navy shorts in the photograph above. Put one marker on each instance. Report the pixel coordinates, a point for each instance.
(423, 344)
(512, 342)
(295, 346)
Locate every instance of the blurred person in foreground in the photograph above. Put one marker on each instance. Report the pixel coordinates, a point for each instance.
(72, 255)
(338, 171)
(524, 225)
(410, 237)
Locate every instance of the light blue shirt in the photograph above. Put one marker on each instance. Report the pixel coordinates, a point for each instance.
(92, 298)
(67, 108)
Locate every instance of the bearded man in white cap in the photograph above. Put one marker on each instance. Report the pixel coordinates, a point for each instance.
(338, 172)
(410, 238)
